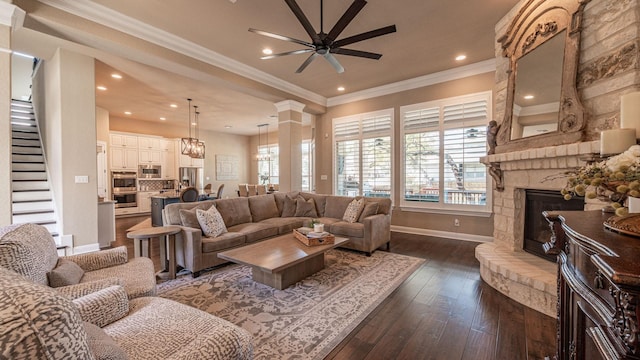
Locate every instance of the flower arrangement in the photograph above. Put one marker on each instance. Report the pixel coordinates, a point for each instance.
(617, 176)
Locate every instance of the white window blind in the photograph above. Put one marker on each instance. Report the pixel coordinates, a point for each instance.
(363, 154)
(443, 143)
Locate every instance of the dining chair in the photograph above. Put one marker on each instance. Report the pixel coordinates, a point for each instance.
(252, 189)
(243, 190)
(189, 194)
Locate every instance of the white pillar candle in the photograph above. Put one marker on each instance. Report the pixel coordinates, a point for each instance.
(630, 111)
(616, 141)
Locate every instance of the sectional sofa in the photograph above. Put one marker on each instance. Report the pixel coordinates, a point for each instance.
(256, 218)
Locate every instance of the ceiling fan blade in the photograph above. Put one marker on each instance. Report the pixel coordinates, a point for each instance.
(281, 37)
(346, 18)
(358, 53)
(334, 62)
(304, 21)
(294, 52)
(364, 36)
(306, 62)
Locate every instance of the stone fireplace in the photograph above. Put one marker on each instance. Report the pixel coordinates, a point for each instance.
(609, 66)
(524, 277)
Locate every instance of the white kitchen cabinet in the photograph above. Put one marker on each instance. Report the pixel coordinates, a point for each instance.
(148, 156)
(122, 140)
(151, 143)
(124, 158)
(144, 200)
(168, 159)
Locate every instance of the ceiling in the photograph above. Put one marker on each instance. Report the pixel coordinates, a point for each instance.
(430, 34)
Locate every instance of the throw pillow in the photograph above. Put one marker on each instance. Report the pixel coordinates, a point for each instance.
(353, 210)
(369, 209)
(211, 222)
(306, 207)
(289, 207)
(65, 273)
(188, 218)
(102, 345)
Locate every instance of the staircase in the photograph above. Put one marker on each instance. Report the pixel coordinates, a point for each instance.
(31, 197)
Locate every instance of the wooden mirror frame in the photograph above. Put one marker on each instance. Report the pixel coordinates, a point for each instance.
(536, 22)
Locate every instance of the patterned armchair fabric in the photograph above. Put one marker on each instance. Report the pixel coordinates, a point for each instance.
(29, 250)
(37, 322)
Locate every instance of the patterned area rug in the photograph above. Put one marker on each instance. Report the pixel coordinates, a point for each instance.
(306, 320)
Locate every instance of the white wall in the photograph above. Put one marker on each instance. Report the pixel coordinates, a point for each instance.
(70, 144)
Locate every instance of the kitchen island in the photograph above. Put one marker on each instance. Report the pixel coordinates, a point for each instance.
(158, 202)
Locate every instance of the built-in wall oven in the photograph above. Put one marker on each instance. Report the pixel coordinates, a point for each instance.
(124, 189)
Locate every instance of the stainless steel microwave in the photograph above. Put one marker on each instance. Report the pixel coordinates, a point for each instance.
(149, 172)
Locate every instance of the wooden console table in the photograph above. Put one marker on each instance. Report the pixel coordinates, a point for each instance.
(598, 287)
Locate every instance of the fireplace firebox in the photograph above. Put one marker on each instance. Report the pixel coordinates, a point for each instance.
(536, 228)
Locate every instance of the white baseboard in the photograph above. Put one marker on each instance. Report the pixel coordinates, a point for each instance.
(86, 248)
(442, 234)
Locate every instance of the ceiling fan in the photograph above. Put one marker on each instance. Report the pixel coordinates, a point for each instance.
(325, 45)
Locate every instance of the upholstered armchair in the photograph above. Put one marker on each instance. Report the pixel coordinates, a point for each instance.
(29, 250)
(105, 324)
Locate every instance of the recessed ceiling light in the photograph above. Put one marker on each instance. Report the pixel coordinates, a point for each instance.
(163, 118)
(528, 97)
(340, 88)
(461, 57)
(228, 126)
(194, 124)
(267, 51)
(127, 112)
(116, 76)
(173, 106)
(101, 88)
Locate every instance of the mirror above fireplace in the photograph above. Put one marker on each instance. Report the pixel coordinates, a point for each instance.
(542, 105)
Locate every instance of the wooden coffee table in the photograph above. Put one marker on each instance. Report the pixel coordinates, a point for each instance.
(281, 261)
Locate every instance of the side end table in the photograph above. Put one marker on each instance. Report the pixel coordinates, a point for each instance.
(163, 233)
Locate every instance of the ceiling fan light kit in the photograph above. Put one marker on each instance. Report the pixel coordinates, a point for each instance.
(326, 45)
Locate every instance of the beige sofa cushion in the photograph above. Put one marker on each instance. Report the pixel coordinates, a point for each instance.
(255, 231)
(225, 241)
(371, 208)
(263, 207)
(211, 222)
(319, 199)
(289, 206)
(348, 229)
(306, 208)
(189, 218)
(353, 211)
(336, 206)
(234, 211)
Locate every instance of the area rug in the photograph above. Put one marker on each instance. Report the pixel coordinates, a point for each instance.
(306, 320)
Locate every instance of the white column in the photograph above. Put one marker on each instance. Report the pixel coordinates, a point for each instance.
(289, 144)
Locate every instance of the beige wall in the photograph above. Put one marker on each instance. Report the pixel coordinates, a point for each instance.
(71, 144)
(5, 132)
(422, 220)
(215, 142)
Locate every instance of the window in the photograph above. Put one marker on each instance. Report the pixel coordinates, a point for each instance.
(443, 141)
(268, 164)
(307, 166)
(363, 154)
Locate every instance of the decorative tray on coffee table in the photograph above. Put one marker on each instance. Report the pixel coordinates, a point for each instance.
(310, 238)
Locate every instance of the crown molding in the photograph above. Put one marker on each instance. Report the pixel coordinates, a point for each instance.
(118, 21)
(421, 81)
(11, 15)
(289, 105)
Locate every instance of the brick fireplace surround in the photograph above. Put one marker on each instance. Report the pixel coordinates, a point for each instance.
(609, 66)
(504, 265)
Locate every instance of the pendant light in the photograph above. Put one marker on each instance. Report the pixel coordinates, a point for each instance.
(186, 144)
(198, 146)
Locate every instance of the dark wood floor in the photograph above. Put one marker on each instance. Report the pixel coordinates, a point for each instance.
(443, 311)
